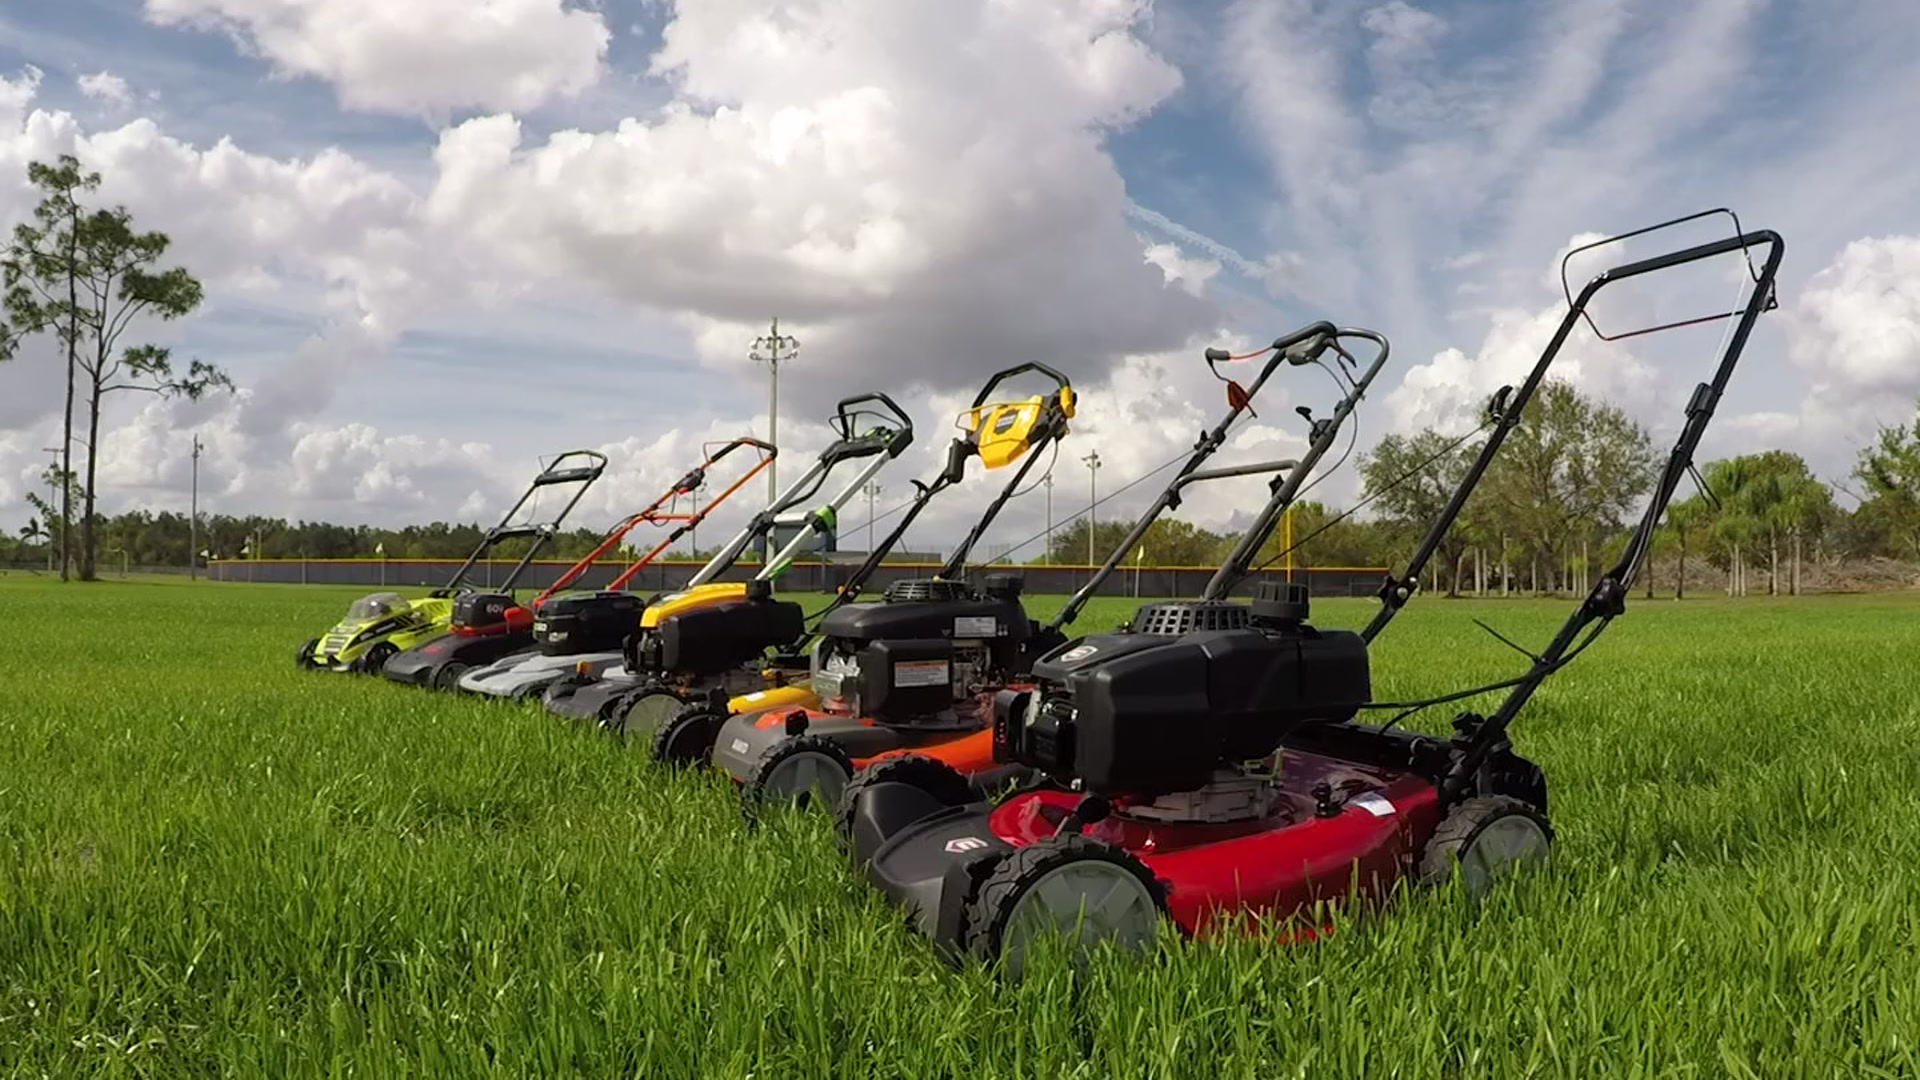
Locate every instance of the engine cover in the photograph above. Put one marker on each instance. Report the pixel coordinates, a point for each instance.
(1149, 714)
(1000, 622)
(713, 640)
(585, 622)
(901, 681)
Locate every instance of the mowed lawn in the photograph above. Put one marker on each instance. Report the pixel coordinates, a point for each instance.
(212, 864)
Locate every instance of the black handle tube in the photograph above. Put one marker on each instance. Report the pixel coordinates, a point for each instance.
(956, 565)
(1236, 567)
(1061, 382)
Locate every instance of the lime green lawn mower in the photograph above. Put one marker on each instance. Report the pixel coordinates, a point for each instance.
(379, 625)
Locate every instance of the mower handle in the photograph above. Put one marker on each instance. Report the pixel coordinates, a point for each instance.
(845, 411)
(1231, 471)
(1061, 382)
(744, 440)
(554, 474)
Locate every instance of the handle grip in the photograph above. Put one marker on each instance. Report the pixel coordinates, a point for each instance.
(845, 411)
(1060, 381)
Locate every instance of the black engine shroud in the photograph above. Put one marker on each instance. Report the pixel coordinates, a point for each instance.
(1156, 708)
(584, 622)
(711, 641)
(481, 610)
(904, 645)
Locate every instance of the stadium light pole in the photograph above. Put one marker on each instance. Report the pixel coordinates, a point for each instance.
(1048, 480)
(1093, 500)
(773, 349)
(193, 517)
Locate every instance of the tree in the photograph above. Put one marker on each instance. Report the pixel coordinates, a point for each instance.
(1890, 469)
(1570, 469)
(90, 276)
(1409, 479)
(39, 275)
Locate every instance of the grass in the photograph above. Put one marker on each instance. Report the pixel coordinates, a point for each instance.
(214, 865)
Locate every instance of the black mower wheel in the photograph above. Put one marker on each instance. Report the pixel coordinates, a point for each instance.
(376, 657)
(931, 775)
(1071, 885)
(1483, 839)
(447, 676)
(687, 736)
(638, 714)
(304, 657)
(793, 771)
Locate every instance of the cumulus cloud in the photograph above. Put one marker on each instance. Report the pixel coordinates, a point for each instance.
(918, 212)
(104, 86)
(417, 56)
(1857, 321)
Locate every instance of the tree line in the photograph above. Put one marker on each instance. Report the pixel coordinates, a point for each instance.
(1552, 510)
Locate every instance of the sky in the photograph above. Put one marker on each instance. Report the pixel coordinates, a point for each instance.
(443, 240)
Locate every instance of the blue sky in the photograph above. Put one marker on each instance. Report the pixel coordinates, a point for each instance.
(438, 245)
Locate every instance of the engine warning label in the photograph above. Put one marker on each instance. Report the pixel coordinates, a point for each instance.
(920, 673)
(976, 626)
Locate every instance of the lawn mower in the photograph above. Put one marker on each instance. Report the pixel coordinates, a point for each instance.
(579, 638)
(378, 626)
(898, 676)
(680, 705)
(1210, 762)
(489, 626)
(928, 630)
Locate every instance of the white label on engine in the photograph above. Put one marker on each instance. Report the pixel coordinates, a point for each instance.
(1373, 803)
(975, 626)
(739, 746)
(921, 673)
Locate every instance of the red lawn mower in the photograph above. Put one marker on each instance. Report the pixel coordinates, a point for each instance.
(906, 675)
(1209, 761)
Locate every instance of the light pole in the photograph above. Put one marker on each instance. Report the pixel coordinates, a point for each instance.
(193, 517)
(53, 496)
(1093, 500)
(773, 350)
(1048, 480)
(872, 489)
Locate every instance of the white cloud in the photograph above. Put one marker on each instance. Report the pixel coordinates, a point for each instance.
(104, 86)
(1857, 321)
(415, 56)
(913, 209)
(1190, 274)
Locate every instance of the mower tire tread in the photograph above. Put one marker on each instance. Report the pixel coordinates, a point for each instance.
(1463, 824)
(931, 775)
(753, 793)
(993, 903)
(698, 722)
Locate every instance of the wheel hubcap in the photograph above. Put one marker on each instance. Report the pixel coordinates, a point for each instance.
(802, 774)
(1501, 846)
(1084, 902)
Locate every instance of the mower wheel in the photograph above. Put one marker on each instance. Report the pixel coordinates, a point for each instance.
(1079, 888)
(376, 657)
(931, 775)
(304, 658)
(447, 676)
(1485, 838)
(793, 771)
(639, 714)
(687, 736)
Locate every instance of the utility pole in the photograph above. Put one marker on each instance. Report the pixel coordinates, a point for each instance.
(193, 516)
(1048, 480)
(773, 350)
(1093, 500)
(872, 489)
(53, 499)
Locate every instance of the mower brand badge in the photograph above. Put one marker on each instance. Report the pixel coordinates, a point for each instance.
(1373, 803)
(965, 844)
(971, 626)
(1078, 653)
(921, 673)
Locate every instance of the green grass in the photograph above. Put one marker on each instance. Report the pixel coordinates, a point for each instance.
(212, 864)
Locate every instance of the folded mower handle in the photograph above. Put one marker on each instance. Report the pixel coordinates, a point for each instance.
(1061, 382)
(554, 474)
(847, 410)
